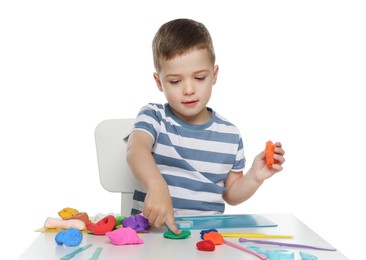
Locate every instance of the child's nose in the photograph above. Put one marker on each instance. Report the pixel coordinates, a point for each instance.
(189, 88)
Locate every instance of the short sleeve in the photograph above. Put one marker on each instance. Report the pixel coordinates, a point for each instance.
(148, 120)
(239, 163)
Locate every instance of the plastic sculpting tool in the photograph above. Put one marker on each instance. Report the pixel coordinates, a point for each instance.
(96, 254)
(254, 235)
(261, 256)
(274, 254)
(72, 254)
(264, 242)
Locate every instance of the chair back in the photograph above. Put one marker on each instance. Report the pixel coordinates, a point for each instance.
(114, 172)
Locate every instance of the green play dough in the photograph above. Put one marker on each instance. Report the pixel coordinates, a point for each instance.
(119, 220)
(184, 234)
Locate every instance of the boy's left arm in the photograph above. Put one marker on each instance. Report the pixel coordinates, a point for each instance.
(241, 187)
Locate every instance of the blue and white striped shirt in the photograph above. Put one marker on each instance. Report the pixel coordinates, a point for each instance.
(193, 159)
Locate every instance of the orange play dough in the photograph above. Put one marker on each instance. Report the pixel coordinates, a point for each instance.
(269, 153)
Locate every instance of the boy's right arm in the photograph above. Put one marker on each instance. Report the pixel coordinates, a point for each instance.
(158, 207)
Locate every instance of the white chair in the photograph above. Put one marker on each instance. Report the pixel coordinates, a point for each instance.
(114, 173)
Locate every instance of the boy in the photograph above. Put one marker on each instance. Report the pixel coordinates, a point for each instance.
(189, 159)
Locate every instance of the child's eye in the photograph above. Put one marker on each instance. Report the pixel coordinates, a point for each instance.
(174, 82)
(200, 78)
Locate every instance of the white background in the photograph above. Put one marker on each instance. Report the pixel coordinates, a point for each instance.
(290, 71)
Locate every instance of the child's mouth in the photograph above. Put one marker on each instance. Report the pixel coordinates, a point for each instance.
(190, 102)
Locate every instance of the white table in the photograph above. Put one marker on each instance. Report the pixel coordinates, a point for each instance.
(157, 247)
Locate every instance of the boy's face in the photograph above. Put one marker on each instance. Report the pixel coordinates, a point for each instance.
(187, 82)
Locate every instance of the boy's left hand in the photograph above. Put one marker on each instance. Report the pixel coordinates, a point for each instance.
(261, 168)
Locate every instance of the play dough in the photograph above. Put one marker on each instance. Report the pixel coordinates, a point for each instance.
(124, 236)
(137, 222)
(64, 224)
(69, 237)
(184, 234)
(102, 226)
(205, 245)
(215, 237)
(67, 212)
(269, 153)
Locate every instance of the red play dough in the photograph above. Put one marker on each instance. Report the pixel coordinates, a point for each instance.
(205, 245)
(102, 226)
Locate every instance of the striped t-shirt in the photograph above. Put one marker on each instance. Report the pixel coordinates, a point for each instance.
(193, 159)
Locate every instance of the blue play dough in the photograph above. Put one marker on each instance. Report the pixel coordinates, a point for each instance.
(205, 231)
(69, 237)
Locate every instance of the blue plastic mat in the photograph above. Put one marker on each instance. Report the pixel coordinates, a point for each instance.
(223, 221)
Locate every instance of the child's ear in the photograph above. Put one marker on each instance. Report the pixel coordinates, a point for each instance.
(215, 73)
(158, 81)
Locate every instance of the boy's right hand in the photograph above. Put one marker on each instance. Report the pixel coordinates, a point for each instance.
(158, 209)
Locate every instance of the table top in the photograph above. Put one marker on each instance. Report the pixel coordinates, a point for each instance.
(155, 246)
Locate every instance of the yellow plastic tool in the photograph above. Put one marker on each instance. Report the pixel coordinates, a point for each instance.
(254, 235)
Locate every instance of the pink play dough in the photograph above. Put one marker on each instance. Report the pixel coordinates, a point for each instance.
(124, 236)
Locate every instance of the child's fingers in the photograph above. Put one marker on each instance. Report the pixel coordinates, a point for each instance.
(170, 222)
(279, 159)
(151, 217)
(278, 144)
(279, 151)
(277, 167)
